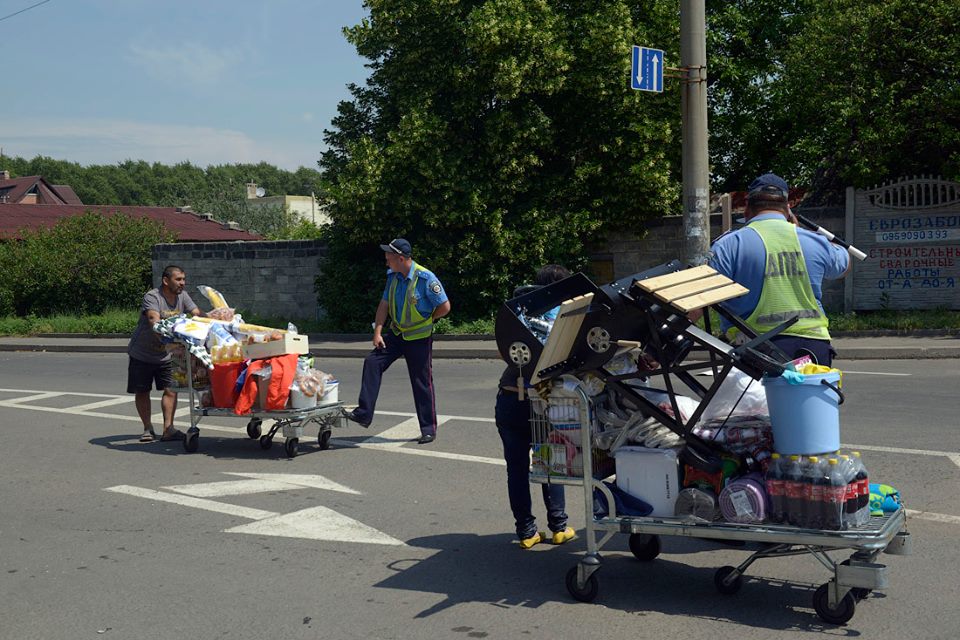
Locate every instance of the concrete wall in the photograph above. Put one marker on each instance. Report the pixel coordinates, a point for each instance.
(267, 279)
(627, 254)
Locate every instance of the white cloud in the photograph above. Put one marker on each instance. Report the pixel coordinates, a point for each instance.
(102, 141)
(189, 62)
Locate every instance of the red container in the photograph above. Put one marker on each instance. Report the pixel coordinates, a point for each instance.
(223, 383)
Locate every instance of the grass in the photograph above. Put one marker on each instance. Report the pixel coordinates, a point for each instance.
(124, 320)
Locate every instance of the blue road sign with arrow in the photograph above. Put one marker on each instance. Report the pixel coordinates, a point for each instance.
(646, 73)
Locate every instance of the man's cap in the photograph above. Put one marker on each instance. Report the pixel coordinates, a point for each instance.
(769, 186)
(398, 246)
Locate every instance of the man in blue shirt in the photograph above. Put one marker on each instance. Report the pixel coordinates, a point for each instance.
(784, 267)
(413, 299)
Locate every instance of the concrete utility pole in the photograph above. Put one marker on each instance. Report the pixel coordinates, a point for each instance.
(696, 173)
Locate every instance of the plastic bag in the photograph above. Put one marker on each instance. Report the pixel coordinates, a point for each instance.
(738, 395)
(220, 309)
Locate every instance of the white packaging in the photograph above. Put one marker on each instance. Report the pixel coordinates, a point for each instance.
(651, 475)
(330, 392)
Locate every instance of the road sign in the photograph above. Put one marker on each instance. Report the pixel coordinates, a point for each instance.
(646, 73)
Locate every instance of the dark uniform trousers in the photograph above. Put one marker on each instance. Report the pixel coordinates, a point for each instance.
(419, 357)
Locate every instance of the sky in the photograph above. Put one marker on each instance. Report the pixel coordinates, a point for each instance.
(204, 81)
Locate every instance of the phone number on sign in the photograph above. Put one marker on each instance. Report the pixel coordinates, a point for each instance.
(912, 236)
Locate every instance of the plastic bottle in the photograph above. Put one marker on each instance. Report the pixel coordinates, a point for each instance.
(814, 478)
(852, 491)
(776, 488)
(835, 494)
(793, 491)
(863, 504)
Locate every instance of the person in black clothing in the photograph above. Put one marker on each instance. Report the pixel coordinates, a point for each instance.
(513, 424)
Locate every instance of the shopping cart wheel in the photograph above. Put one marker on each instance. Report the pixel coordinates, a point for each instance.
(644, 547)
(191, 440)
(324, 439)
(290, 446)
(725, 587)
(589, 590)
(253, 428)
(839, 615)
(266, 442)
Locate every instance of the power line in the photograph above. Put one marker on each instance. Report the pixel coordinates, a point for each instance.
(22, 10)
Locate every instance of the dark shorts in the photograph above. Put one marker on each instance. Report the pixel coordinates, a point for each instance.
(141, 375)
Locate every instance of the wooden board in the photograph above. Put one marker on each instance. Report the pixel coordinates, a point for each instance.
(561, 339)
(679, 277)
(713, 296)
(669, 294)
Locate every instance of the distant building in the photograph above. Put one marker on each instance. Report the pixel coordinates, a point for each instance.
(34, 190)
(307, 208)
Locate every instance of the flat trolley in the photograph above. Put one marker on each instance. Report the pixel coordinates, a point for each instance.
(558, 458)
(191, 376)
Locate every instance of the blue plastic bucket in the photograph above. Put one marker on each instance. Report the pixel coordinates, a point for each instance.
(805, 417)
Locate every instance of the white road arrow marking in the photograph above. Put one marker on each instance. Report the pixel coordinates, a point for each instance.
(315, 523)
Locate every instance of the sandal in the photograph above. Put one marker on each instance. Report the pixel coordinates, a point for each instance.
(148, 436)
(174, 434)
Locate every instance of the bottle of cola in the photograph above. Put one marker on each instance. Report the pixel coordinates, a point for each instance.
(776, 488)
(793, 491)
(834, 496)
(814, 479)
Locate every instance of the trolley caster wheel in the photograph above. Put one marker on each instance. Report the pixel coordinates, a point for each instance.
(191, 440)
(841, 614)
(324, 440)
(253, 428)
(589, 590)
(266, 442)
(290, 446)
(727, 588)
(644, 547)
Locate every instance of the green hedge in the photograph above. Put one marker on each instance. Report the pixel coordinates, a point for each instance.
(83, 265)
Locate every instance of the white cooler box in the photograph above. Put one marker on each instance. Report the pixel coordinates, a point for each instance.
(651, 475)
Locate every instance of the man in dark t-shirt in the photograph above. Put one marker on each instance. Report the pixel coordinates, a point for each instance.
(149, 360)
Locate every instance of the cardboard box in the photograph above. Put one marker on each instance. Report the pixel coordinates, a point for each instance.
(651, 475)
(291, 343)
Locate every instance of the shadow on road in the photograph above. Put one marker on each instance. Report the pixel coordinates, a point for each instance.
(470, 568)
(213, 446)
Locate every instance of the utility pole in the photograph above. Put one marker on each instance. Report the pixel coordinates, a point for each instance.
(695, 166)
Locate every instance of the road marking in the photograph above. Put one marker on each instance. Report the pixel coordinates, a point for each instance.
(196, 503)
(935, 517)
(102, 403)
(39, 396)
(317, 523)
(953, 457)
(314, 523)
(876, 373)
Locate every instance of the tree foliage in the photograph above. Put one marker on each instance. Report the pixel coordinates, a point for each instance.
(84, 264)
(495, 136)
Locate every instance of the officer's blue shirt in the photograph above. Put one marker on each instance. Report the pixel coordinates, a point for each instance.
(741, 256)
(430, 293)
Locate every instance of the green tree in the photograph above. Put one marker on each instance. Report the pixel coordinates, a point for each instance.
(873, 88)
(496, 136)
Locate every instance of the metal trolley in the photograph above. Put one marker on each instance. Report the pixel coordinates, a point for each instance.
(560, 458)
(191, 376)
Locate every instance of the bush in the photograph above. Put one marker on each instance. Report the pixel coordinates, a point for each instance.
(83, 265)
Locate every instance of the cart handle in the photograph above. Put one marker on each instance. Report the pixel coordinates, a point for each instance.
(836, 390)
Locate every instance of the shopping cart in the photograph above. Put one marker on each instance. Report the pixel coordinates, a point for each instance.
(190, 375)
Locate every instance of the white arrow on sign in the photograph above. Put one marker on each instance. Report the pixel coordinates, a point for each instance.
(655, 61)
(315, 523)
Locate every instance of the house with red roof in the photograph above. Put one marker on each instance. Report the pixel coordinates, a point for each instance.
(31, 202)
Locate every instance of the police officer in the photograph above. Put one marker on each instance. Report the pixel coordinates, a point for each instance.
(784, 267)
(413, 300)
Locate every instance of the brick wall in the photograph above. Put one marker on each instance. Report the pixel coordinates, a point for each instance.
(663, 242)
(272, 279)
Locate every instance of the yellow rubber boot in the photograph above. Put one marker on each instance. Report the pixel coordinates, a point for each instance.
(528, 543)
(559, 537)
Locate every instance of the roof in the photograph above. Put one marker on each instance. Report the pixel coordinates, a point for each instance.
(187, 226)
(13, 191)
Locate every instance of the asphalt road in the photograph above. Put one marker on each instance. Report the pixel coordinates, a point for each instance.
(101, 536)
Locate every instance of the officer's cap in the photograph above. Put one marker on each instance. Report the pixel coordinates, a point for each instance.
(398, 246)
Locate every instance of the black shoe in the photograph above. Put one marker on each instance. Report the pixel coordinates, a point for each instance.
(426, 438)
(352, 416)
